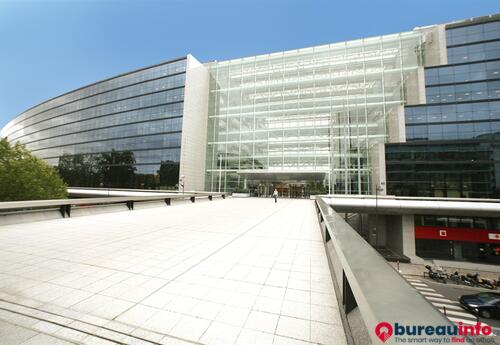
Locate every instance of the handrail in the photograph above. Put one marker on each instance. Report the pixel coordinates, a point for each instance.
(127, 189)
(412, 206)
(366, 281)
(159, 191)
(416, 198)
(64, 205)
(81, 192)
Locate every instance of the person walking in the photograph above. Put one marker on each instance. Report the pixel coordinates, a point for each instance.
(275, 195)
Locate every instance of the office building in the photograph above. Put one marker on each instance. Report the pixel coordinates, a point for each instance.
(415, 113)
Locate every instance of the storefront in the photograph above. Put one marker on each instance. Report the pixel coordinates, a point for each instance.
(458, 238)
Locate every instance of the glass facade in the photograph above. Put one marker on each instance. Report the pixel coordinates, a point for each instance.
(121, 132)
(459, 169)
(453, 121)
(306, 112)
(458, 222)
(453, 147)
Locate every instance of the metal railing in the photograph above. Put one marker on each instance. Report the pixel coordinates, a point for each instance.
(89, 192)
(369, 290)
(65, 205)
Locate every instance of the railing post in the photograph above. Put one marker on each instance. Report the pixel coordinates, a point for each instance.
(192, 199)
(65, 210)
(210, 197)
(130, 204)
(167, 201)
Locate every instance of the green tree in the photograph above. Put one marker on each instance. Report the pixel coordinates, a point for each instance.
(26, 177)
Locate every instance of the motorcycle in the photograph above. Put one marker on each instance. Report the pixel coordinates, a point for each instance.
(484, 283)
(438, 274)
(492, 282)
(466, 280)
(455, 277)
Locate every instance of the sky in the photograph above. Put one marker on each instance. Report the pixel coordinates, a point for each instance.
(49, 47)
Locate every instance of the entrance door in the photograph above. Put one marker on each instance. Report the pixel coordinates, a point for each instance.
(297, 191)
(283, 190)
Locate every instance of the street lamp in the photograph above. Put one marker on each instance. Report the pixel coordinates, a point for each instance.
(378, 189)
(219, 157)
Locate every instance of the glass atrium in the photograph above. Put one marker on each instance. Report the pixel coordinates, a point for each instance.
(306, 119)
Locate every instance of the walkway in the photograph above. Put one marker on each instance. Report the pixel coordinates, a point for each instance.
(237, 271)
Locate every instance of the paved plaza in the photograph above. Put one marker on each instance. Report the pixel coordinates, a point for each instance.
(235, 271)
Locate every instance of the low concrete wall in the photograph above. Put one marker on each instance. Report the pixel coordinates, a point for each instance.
(149, 204)
(28, 217)
(240, 195)
(97, 209)
(36, 215)
(369, 290)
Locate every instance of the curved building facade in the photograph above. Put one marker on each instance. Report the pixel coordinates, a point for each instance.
(125, 131)
(336, 118)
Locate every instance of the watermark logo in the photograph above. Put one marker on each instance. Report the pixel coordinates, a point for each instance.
(384, 331)
(435, 334)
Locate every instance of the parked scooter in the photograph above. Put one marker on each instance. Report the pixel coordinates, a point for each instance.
(484, 283)
(455, 277)
(466, 280)
(494, 283)
(491, 282)
(437, 275)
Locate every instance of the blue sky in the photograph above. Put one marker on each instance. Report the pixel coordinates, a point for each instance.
(50, 47)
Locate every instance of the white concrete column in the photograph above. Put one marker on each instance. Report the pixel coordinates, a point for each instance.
(408, 232)
(194, 126)
(396, 125)
(377, 161)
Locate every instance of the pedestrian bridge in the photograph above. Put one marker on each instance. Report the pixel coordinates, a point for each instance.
(176, 268)
(234, 271)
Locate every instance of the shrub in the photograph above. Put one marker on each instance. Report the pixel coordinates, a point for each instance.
(26, 177)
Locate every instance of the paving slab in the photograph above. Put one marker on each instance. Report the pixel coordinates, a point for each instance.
(235, 271)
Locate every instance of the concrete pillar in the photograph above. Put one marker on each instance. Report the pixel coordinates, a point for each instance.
(396, 125)
(194, 126)
(435, 45)
(377, 161)
(416, 87)
(408, 235)
(395, 234)
(401, 236)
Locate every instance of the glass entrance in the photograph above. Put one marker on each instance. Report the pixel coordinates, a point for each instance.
(296, 190)
(288, 184)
